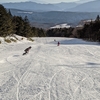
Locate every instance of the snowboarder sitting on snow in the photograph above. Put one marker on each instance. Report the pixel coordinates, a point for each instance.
(27, 50)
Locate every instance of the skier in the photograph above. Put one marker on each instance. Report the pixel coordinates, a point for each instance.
(27, 50)
(58, 44)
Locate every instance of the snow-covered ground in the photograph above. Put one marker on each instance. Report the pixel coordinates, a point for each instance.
(61, 26)
(70, 71)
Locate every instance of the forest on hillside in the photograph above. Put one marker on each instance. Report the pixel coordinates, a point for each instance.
(10, 25)
(17, 25)
(90, 31)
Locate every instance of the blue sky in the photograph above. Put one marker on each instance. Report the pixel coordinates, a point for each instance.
(46, 1)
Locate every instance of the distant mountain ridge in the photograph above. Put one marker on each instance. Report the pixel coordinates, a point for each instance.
(92, 6)
(33, 6)
(49, 15)
(52, 18)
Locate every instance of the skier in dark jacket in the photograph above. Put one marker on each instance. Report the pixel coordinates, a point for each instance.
(58, 44)
(27, 50)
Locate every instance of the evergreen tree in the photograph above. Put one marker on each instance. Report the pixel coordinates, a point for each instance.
(35, 31)
(9, 12)
(6, 27)
(98, 18)
(27, 29)
(41, 33)
(18, 25)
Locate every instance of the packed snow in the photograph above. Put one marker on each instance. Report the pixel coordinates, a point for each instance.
(70, 71)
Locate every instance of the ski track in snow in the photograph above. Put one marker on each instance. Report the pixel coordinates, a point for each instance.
(50, 72)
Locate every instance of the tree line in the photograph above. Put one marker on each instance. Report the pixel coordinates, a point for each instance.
(59, 32)
(90, 31)
(17, 25)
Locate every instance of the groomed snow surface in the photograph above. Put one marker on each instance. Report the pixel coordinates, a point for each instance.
(70, 71)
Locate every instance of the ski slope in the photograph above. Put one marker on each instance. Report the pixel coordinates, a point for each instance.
(70, 71)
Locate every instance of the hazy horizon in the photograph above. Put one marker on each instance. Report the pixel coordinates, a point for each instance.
(45, 1)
